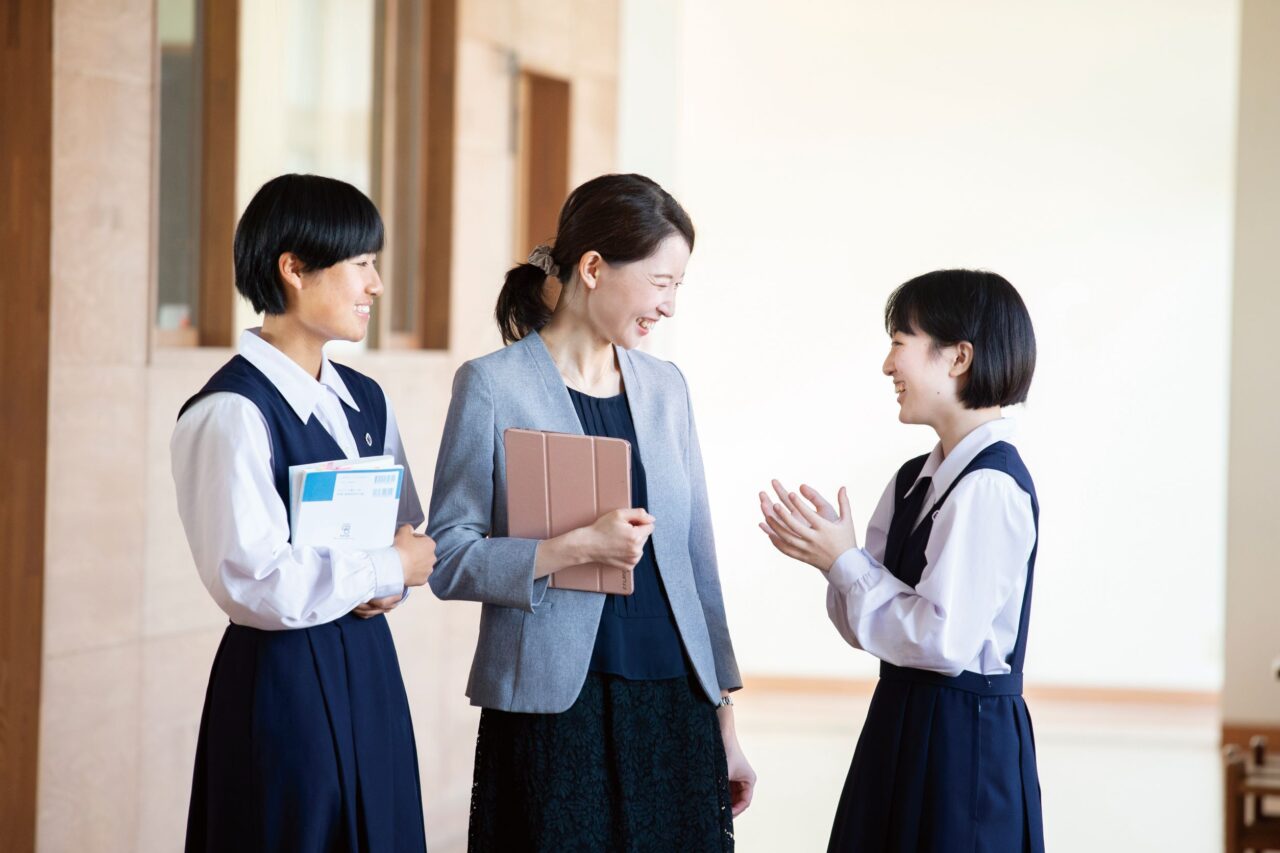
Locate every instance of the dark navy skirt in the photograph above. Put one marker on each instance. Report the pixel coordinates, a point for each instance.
(306, 744)
(943, 764)
(630, 767)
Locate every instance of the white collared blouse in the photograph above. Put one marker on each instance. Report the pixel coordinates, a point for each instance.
(963, 614)
(236, 523)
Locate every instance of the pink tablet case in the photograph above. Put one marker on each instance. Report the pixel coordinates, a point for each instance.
(557, 482)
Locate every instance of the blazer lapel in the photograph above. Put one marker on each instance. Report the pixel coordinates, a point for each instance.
(561, 416)
(644, 415)
(637, 399)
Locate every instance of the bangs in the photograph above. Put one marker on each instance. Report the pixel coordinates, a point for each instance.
(337, 222)
(902, 311)
(319, 220)
(950, 306)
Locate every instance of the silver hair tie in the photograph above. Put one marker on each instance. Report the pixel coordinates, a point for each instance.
(541, 258)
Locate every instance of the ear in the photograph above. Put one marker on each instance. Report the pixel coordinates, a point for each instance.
(589, 267)
(290, 267)
(962, 360)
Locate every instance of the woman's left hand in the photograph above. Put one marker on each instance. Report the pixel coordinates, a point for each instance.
(378, 606)
(815, 535)
(742, 779)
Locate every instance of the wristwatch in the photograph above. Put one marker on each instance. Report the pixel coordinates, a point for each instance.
(726, 701)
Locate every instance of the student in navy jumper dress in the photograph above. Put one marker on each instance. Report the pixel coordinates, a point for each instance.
(941, 593)
(305, 742)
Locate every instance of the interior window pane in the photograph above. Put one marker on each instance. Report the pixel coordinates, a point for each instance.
(305, 96)
(179, 225)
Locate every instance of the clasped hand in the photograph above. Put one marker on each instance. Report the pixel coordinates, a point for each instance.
(815, 534)
(417, 554)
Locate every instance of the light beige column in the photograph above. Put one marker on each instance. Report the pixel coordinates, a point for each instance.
(1251, 691)
(100, 270)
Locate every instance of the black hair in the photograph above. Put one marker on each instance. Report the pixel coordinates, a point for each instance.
(321, 220)
(982, 308)
(623, 217)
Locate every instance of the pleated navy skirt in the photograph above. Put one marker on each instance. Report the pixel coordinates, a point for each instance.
(943, 764)
(306, 744)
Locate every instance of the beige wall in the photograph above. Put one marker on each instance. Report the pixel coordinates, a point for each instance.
(1251, 693)
(94, 685)
(129, 630)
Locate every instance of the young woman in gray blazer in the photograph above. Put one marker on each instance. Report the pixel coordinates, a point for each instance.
(606, 723)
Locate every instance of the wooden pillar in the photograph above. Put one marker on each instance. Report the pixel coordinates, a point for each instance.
(26, 145)
(437, 198)
(219, 60)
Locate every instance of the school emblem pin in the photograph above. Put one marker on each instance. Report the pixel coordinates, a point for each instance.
(368, 440)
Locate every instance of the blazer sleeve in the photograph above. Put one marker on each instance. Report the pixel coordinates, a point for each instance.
(702, 553)
(471, 564)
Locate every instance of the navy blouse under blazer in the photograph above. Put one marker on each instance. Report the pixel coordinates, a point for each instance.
(638, 637)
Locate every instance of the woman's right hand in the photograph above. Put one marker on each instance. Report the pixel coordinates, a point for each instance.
(617, 538)
(417, 555)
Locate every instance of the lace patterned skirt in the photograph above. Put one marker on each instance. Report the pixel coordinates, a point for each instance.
(632, 766)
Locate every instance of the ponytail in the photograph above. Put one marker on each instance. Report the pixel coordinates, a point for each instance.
(521, 308)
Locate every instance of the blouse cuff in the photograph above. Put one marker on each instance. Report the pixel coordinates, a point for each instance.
(853, 567)
(388, 574)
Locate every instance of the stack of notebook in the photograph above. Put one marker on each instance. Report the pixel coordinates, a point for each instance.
(347, 503)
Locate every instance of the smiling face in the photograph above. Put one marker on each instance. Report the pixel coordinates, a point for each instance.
(333, 303)
(925, 378)
(625, 301)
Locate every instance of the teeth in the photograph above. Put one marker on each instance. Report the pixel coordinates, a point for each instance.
(645, 324)
(362, 309)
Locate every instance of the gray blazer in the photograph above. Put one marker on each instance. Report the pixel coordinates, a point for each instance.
(535, 643)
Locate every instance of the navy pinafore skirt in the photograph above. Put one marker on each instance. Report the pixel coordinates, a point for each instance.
(306, 742)
(944, 764)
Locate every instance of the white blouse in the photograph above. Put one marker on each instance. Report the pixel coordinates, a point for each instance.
(236, 523)
(963, 614)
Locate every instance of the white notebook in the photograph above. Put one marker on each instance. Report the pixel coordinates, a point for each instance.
(348, 504)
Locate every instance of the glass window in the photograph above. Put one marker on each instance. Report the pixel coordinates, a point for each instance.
(177, 302)
(250, 90)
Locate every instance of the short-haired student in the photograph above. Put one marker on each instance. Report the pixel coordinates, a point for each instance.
(306, 741)
(941, 591)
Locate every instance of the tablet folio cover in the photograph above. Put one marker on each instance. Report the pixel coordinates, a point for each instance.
(557, 482)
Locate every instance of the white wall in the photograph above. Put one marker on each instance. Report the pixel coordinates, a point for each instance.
(1084, 150)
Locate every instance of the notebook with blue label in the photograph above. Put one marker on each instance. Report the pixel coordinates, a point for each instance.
(345, 504)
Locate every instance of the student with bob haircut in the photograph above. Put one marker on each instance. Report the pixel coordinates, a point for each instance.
(306, 741)
(941, 592)
(606, 721)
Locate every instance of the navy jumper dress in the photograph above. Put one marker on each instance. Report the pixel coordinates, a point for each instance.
(306, 741)
(944, 763)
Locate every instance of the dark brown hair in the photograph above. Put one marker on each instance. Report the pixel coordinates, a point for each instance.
(623, 217)
(982, 308)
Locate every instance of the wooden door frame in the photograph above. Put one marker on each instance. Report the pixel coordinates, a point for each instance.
(26, 163)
